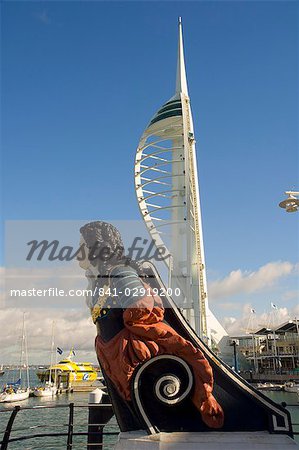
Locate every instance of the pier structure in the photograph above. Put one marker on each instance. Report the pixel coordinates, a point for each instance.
(271, 352)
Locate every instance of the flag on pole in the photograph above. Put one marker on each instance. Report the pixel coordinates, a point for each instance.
(273, 306)
(59, 351)
(252, 311)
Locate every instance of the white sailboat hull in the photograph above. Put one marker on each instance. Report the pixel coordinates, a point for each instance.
(18, 396)
(294, 388)
(44, 392)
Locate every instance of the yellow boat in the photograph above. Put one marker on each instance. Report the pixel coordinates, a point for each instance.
(68, 374)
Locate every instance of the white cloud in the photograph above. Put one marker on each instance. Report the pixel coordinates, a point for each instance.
(229, 306)
(296, 311)
(71, 315)
(252, 322)
(63, 278)
(228, 322)
(43, 17)
(290, 295)
(73, 325)
(238, 282)
(73, 328)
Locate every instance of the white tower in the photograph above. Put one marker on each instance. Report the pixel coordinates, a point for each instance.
(166, 182)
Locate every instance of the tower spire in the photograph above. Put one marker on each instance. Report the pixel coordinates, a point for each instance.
(181, 80)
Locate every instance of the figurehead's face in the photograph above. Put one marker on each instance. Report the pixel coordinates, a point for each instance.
(82, 257)
(101, 247)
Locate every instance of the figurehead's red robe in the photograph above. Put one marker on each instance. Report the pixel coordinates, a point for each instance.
(144, 336)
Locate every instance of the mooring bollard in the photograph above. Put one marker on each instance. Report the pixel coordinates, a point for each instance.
(100, 412)
(95, 427)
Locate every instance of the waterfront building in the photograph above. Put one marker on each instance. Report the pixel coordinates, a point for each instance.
(274, 350)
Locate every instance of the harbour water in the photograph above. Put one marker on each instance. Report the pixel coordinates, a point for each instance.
(49, 420)
(55, 420)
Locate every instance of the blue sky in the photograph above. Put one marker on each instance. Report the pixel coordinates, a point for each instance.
(80, 82)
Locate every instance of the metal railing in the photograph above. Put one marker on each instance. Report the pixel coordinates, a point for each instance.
(94, 434)
(94, 431)
(294, 424)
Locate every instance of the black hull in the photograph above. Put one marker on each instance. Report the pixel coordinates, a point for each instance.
(245, 408)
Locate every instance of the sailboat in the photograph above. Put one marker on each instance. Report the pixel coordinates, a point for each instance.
(49, 389)
(291, 386)
(1, 370)
(14, 391)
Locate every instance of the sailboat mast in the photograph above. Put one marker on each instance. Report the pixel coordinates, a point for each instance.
(55, 370)
(26, 355)
(22, 348)
(51, 355)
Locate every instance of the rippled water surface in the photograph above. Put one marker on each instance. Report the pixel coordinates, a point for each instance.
(43, 420)
(50, 420)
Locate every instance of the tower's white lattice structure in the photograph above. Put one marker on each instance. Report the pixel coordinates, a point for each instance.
(166, 182)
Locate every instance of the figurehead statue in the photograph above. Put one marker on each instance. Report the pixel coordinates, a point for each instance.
(133, 337)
